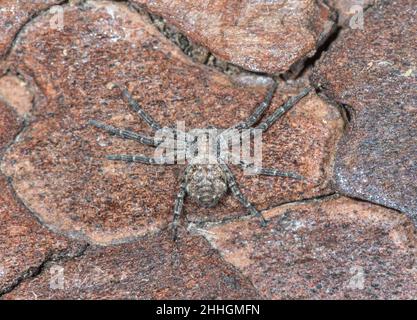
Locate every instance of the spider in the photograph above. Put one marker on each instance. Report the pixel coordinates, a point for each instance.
(204, 183)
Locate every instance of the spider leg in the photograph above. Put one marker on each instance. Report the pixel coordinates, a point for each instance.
(256, 115)
(139, 158)
(125, 134)
(266, 171)
(179, 203)
(278, 113)
(138, 109)
(239, 195)
(274, 172)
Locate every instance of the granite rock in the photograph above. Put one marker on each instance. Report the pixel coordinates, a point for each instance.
(15, 14)
(154, 268)
(335, 248)
(24, 243)
(373, 72)
(261, 36)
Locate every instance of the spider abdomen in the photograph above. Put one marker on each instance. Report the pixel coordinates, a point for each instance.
(206, 184)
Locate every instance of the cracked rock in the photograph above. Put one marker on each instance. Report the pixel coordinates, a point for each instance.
(24, 244)
(261, 36)
(374, 73)
(335, 248)
(14, 14)
(10, 125)
(58, 166)
(154, 268)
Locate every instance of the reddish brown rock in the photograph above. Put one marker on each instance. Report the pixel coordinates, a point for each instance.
(374, 72)
(375, 66)
(261, 36)
(16, 93)
(154, 268)
(58, 166)
(10, 125)
(336, 248)
(13, 16)
(24, 244)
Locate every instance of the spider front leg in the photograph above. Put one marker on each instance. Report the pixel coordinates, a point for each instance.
(231, 181)
(141, 159)
(138, 109)
(130, 135)
(124, 134)
(259, 111)
(278, 113)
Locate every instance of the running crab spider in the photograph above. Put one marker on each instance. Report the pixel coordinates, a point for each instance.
(204, 183)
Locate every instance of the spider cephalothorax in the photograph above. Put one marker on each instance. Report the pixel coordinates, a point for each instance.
(204, 182)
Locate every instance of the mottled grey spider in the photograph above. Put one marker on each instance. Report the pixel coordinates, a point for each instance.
(207, 183)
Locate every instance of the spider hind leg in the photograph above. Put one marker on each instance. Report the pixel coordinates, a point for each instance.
(178, 207)
(241, 197)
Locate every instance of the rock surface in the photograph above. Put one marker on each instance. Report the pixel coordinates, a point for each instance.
(374, 72)
(14, 91)
(13, 16)
(58, 166)
(154, 268)
(262, 36)
(24, 244)
(10, 125)
(56, 184)
(376, 66)
(336, 248)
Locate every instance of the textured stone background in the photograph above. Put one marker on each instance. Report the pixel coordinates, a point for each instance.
(347, 232)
